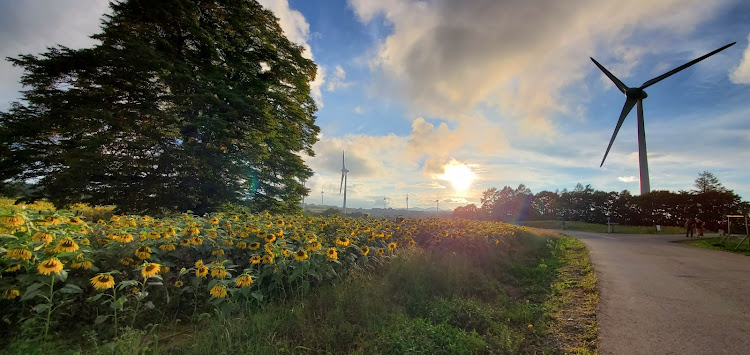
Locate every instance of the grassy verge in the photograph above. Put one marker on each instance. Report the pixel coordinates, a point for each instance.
(728, 245)
(573, 302)
(602, 228)
(539, 297)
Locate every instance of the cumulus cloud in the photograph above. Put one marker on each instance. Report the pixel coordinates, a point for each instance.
(338, 80)
(447, 56)
(297, 30)
(627, 178)
(29, 27)
(741, 74)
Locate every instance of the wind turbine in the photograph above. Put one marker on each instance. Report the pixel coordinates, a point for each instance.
(635, 96)
(343, 178)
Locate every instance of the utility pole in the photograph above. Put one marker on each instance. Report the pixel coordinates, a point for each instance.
(321, 197)
(304, 182)
(407, 202)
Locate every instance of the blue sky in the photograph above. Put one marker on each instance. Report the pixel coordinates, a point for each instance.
(503, 88)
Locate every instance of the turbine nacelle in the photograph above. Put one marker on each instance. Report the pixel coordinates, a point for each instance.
(635, 94)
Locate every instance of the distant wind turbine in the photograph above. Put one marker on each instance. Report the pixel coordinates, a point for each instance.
(635, 96)
(343, 178)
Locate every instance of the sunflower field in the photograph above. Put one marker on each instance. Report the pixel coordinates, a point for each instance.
(126, 271)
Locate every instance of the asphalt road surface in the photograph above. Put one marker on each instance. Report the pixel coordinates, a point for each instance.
(658, 297)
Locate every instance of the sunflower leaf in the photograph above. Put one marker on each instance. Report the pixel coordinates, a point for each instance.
(101, 318)
(62, 276)
(94, 298)
(71, 289)
(41, 307)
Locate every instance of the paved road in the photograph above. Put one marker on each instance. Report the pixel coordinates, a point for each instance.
(658, 297)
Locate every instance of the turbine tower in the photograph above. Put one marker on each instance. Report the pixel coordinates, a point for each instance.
(343, 178)
(635, 96)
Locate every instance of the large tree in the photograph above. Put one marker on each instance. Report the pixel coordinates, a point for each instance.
(184, 104)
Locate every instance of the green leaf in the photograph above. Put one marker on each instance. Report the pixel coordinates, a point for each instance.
(94, 298)
(41, 307)
(34, 287)
(149, 305)
(71, 289)
(126, 284)
(102, 318)
(119, 303)
(62, 276)
(29, 295)
(257, 295)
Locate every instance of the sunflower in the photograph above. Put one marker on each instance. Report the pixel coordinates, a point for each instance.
(218, 291)
(178, 284)
(199, 263)
(214, 221)
(11, 221)
(267, 259)
(143, 252)
(185, 242)
(42, 237)
(212, 234)
(49, 266)
(126, 261)
(365, 250)
(269, 224)
(114, 219)
(150, 269)
(167, 247)
(103, 281)
(21, 254)
(244, 280)
(217, 252)
(192, 231)
(287, 253)
(314, 246)
(197, 240)
(201, 271)
(241, 245)
(13, 268)
(380, 252)
(412, 243)
(75, 221)
(332, 254)
(343, 241)
(154, 235)
(228, 242)
(255, 259)
(122, 238)
(254, 246)
(218, 273)
(270, 238)
(85, 242)
(300, 255)
(392, 246)
(67, 245)
(81, 265)
(11, 294)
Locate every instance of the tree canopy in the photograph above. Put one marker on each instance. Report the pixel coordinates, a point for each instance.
(184, 104)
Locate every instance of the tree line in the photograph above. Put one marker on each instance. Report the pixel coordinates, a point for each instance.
(709, 201)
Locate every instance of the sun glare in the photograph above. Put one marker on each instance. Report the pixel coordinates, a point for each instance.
(458, 174)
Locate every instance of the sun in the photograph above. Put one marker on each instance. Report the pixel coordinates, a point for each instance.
(458, 174)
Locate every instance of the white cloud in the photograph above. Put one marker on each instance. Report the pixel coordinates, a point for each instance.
(29, 27)
(358, 109)
(445, 57)
(741, 74)
(297, 30)
(338, 80)
(627, 178)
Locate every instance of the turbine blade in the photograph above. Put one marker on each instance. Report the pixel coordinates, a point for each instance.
(629, 103)
(614, 79)
(343, 161)
(342, 182)
(675, 70)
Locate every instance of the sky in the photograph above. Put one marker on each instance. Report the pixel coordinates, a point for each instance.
(443, 99)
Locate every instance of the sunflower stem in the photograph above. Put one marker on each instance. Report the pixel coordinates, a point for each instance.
(49, 310)
(114, 299)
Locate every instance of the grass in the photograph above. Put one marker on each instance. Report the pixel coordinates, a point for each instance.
(602, 228)
(729, 245)
(539, 298)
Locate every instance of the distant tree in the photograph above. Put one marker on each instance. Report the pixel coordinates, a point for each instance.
(707, 182)
(183, 104)
(467, 212)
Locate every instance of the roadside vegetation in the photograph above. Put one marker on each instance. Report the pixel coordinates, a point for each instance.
(602, 228)
(731, 244)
